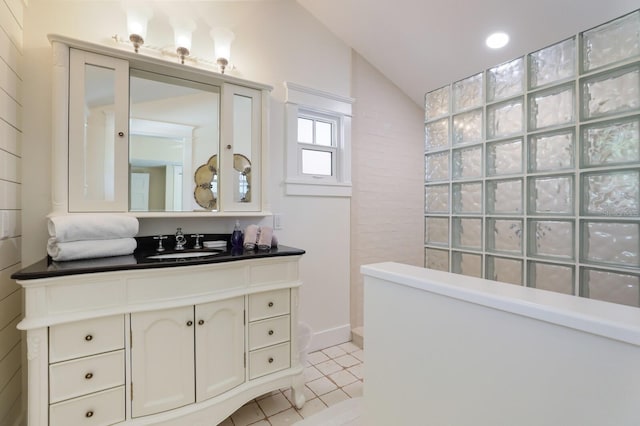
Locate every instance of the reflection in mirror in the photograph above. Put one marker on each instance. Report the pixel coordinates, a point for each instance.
(242, 117)
(174, 128)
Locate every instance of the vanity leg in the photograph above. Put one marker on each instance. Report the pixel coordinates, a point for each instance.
(297, 394)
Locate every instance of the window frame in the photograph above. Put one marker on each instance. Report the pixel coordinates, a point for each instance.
(316, 105)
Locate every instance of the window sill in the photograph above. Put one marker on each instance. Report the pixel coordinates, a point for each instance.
(317, 189)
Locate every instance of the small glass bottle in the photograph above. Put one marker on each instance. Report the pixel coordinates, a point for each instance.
(236, 236)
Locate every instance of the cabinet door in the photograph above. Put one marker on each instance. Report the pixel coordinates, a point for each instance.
(162, 351)
(219, 347)
(98, 132)
(241, 156)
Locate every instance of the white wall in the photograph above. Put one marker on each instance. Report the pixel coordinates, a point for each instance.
(276, 41)
(387, 174)
(11, 90)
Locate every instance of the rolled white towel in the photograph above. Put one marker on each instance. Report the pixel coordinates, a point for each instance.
(265, 238)
(250, 237)
(90, 226)
(88, 249)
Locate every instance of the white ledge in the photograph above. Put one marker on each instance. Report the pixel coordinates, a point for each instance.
(617, 322)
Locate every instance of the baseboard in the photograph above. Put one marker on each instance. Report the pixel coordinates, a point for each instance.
(357, 337)
(331, 337)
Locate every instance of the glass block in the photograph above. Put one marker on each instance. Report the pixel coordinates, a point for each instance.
(554, 63)
(436, 198)
(436, 259)
(551, 277)
(552, 107)
(504, 235)
(467, 233)
(436, 134)
(467, 264)
(610, 286)
(611, 194)
(437, 166)
(551, 195)
(467, 127)
(436, 230)
(436, 103)
(611, 93)
(505, 119)
(611, 142)
(615, 243)
(504, 270)
(506, 80)
(504, 158)
(467, 93)
(551, 151)
(467, 162)
(504, 196)
(612, 42)
(467, 197)
(551, 238)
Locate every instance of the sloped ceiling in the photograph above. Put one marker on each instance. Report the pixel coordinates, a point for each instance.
(421, 45)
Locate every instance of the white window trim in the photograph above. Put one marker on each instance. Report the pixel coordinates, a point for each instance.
(301, 100)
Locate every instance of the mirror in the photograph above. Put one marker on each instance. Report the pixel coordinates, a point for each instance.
(174, 129)
(242, 137)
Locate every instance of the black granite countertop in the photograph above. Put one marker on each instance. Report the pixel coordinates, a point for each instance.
(47, 268)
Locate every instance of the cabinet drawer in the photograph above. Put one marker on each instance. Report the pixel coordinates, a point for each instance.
(70, 379)
(99, 409)
(269, 360)
(82, 338)
(268, 304)
(269, 332)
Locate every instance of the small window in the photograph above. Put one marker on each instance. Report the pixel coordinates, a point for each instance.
(318, 142)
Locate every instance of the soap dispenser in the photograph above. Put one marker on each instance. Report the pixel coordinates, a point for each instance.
(236, 236)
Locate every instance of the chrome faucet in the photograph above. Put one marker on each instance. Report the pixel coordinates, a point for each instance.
(180, 240)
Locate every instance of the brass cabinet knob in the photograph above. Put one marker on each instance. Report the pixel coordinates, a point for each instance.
(88, 376)
(88, 337)
(121, 134)
(270, 332)
(270, 304)
(89, 414)
(189, 323)
(200, 322)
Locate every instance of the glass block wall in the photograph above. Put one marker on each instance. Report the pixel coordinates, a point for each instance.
(532, 168)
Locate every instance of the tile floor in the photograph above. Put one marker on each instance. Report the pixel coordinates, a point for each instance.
(331, 375)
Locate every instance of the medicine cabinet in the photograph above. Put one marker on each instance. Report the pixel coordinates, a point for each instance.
(140, 134)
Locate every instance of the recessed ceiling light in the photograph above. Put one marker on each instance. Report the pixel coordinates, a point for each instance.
(497, 40)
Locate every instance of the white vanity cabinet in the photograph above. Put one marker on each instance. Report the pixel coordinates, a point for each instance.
(179, 345)
(136, 132)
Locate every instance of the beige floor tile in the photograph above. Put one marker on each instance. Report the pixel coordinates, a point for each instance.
(322, 386)
(357, 370)
(261, 423)
(358, 354)
(274, 404)
(334, 352)
(328, 367)
(342, 378)
(334, 397)
(311, 373)
(285, 418)
(354, 390)
(316, 358)
(347, 361)
(226, 422)
(349, 347)
(247, 414)
(311, 407)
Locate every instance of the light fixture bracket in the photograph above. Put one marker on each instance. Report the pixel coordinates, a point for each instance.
(182, 53)
(137, 41)
(222, 64)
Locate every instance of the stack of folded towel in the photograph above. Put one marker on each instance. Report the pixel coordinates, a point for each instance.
(261, 237)
(85, 236)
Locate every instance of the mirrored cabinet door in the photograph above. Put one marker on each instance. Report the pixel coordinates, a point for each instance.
(241, 149)
(98, 132)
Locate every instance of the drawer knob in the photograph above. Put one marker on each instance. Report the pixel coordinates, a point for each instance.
(270, 304)
(189, 323)
(270, 360)
(89, 414)
(270, 332)
(88, 337)
(121, 134)
(200, 322)
(88, 376)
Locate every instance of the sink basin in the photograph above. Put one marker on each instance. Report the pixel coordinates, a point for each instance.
(184, 255)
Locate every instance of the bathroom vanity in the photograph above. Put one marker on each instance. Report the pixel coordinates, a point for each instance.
(128, 341)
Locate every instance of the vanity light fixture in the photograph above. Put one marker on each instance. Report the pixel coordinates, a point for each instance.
(138, 16)
(182, 35)
(222, 38)
(497, 40)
